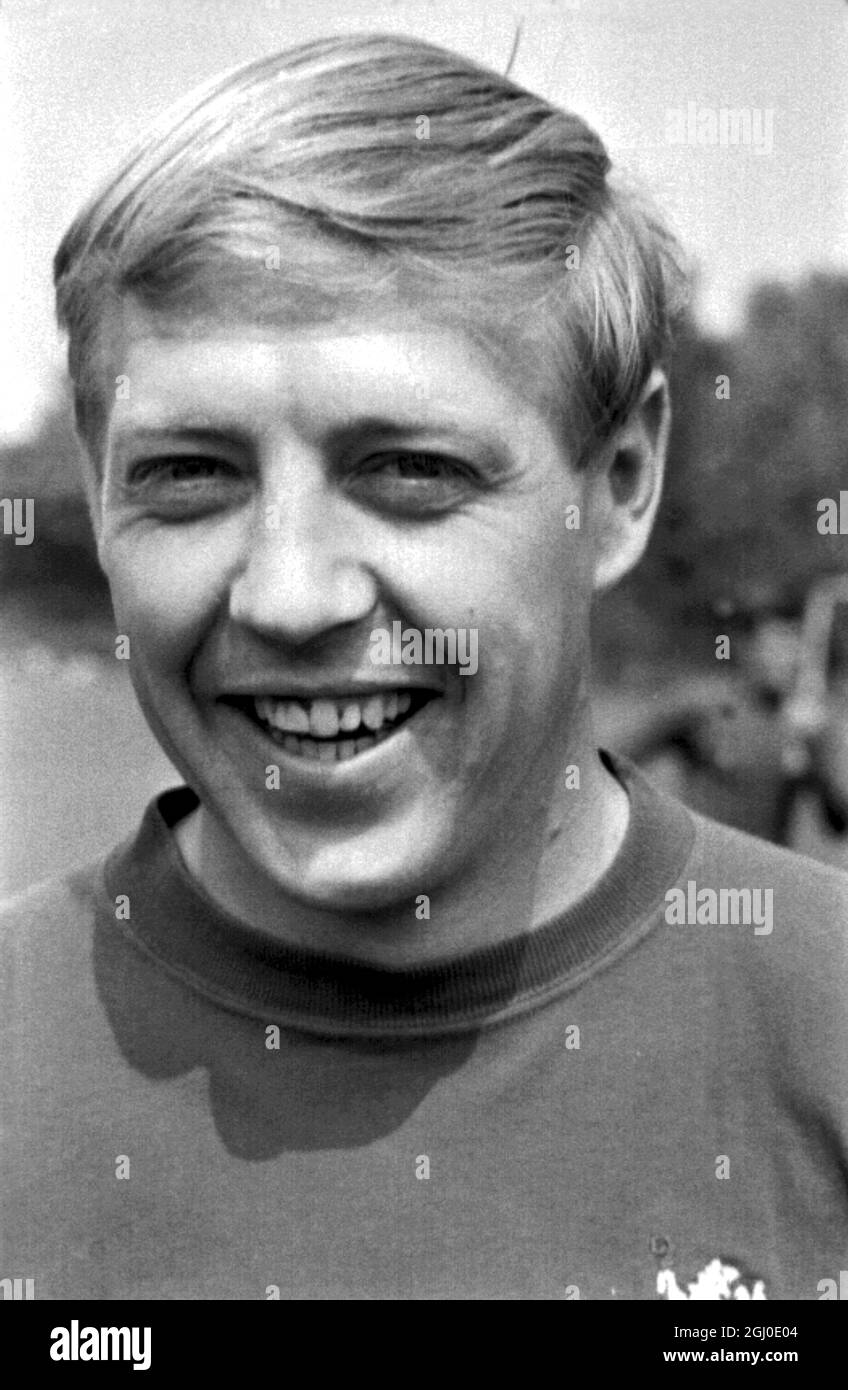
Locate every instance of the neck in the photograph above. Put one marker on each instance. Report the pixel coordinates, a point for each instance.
(549, 852)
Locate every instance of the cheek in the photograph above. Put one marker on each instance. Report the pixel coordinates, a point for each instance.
(524, 583)
(546, 614)
(166, 591)
(518, 558)
(535, 585)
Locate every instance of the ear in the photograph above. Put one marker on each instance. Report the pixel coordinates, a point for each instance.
(624, 483)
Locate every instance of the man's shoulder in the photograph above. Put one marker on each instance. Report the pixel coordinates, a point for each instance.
(760, 952)
(773, 914)
(718, 858)
(731, 855)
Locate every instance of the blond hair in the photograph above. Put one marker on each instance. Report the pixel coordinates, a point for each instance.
(380, 168)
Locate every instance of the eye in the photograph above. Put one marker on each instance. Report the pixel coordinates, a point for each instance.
(415, 481)
(178, 468)
(184, 486)
(413, 463)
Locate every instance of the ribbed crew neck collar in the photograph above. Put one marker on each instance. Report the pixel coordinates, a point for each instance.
(174, 920)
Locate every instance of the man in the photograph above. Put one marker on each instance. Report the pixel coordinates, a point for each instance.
(409, 993)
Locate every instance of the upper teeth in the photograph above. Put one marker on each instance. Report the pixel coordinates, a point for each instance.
(326, 718)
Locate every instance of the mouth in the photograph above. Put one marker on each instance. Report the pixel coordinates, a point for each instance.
(333, 729)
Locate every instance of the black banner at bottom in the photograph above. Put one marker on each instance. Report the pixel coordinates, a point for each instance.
(58, 1339)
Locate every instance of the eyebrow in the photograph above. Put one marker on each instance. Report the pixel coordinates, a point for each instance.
(153, 432)
(389, 428)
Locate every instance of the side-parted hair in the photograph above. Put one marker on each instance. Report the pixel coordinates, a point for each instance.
(376, 170)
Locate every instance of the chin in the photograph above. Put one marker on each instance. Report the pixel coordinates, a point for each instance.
(364, 877)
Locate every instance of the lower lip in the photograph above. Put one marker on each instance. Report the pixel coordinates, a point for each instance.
(369, 760)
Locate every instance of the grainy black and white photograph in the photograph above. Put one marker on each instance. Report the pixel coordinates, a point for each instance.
(424, 681)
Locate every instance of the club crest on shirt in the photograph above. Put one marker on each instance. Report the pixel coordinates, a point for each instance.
(716, 1280)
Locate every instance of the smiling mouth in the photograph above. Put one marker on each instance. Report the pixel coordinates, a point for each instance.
(333, 730)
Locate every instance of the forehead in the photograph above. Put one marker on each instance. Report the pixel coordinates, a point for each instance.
(392, 361)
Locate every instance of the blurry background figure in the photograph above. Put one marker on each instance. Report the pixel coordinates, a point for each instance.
(718, 744)
(765, 748)
(816, 712)
(751, 730)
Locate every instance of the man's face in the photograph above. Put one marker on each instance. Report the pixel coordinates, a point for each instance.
(270, 498)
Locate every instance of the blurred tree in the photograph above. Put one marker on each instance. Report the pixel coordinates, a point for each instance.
(58, 574)
(749, 460)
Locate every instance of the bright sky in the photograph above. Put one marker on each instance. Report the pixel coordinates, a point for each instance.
(79, 80)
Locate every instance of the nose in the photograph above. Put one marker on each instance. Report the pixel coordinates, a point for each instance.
(302, 573)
